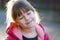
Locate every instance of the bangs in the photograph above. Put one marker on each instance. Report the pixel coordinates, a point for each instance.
(21, 11)
(18, 6)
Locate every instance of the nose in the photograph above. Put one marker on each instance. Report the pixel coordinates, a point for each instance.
(27, 17)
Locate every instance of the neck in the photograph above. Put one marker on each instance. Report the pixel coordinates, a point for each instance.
(28, 30)
(29, 33)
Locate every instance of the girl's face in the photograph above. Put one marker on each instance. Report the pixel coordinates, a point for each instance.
(27, 19)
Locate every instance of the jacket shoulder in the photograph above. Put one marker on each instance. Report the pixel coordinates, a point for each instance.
(9, 38)
(46, 36)
(41, 26)
(10, 35)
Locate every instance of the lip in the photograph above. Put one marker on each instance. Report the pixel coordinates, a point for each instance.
(29, 22)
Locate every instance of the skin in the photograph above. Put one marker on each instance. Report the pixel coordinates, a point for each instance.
(27, 22)
(27, 19)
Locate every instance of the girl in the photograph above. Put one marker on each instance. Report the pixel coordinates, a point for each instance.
(23, 23)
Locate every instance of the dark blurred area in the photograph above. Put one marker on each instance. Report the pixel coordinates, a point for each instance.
(49, 11)
(50, 8)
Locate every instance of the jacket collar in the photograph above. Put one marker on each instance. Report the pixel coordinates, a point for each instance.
(17, 32)
(39, 30)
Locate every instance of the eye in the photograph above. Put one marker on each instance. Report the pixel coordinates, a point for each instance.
(28, 13)
(21, 17)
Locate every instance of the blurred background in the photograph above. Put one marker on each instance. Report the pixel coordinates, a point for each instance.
(49, 11)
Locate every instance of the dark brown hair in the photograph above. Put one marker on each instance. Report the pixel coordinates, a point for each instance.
(14, 7)
(18, 5)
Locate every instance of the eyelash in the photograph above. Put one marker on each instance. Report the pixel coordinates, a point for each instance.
(21, 17)
(28, 13)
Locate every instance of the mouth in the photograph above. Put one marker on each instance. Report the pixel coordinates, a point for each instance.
(29, 22)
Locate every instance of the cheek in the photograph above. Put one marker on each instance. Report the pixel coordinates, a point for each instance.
(33, 17)
(22, 22)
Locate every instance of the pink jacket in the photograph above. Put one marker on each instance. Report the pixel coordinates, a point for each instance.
(14, 33)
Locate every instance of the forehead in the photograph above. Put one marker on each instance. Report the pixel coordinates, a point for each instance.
(22, 11)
